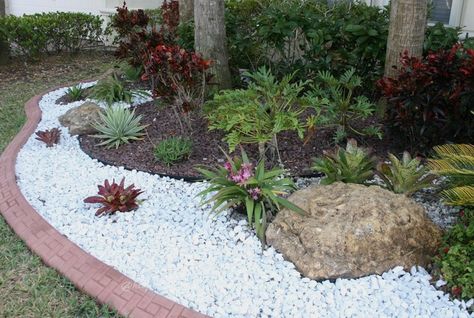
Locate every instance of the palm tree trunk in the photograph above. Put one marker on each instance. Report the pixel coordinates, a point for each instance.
(186, 10)
(210, 38)
(406, 31)
(4, 48)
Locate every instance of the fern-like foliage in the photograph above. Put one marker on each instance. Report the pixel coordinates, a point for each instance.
(456, 162)
(404, 176)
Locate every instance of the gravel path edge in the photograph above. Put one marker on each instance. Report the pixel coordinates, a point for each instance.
(86, 272)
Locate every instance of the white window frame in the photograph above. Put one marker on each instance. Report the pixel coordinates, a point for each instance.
(455, 18)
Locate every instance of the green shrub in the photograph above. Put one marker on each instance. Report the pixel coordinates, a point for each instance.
(119, 126)
(456, 162)
(336, 102)
(259, 113)
(350, 165)
(53, 32)
(75, 92)
(238, 183)
(404, 176)
(456, 258)
(172, 150)
(440, 37)
(112, 90)
(131, 73)
(309, 36)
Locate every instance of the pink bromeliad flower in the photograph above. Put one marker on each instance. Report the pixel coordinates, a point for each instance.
(240, 177)
(255, 193)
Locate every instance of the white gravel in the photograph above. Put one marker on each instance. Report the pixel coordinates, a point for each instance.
(211, 264)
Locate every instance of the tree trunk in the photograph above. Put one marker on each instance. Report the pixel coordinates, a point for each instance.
(406, 31)
(210, 38)
(186, 10)
(4, 48)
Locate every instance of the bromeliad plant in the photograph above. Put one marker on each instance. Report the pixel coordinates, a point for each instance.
(351, 165)
(404, 176)
(115, 198)
(172, 150)
(117, 126)
(112, 90)
(50, 136)
(239, 183)
(456, 163)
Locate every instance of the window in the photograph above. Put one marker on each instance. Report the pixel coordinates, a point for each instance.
(447, 11)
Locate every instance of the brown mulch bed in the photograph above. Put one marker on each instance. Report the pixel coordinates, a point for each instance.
(296, 156)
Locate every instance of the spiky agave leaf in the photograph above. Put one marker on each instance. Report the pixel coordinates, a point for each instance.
(118, 126)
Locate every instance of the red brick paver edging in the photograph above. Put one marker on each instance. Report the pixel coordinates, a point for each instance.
(86, 272)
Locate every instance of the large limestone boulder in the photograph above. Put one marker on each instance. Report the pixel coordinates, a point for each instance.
(79, 120)
(352, 230)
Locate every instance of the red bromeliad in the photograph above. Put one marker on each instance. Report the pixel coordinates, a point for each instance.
(115, 198)
(49, 137)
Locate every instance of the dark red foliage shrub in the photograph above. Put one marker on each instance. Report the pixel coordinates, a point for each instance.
(134, 35)
(178, 74)
(432, 99)
(170, 17)
(115, 198)
(49, 137)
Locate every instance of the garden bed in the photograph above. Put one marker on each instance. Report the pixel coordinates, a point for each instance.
(174, 246)
(297, 156)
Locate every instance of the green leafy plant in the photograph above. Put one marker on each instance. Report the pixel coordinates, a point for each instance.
(350, 165)
(335, 100)
(456, 163)
(131, 73)
(456, 257)
(75, 92)
(259, 113)
(404, 176)
(440, 37)
(34, 34)
(238, 184)
(172, 150)
(112, 90)
(117, 126)
(50, 136)
(115, 198)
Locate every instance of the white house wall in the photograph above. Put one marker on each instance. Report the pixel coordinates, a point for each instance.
(98, 7)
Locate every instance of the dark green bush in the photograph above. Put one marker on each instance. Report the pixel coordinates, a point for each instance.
(440, 37)
(308, 36)
(31, 35)
(456, 259)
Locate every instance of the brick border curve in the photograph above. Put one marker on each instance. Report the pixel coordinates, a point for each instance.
(86, 272)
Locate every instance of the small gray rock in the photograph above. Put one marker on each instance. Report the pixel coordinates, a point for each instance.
(79, 120)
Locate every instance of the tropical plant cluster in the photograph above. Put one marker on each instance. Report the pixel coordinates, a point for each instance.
(33, 35)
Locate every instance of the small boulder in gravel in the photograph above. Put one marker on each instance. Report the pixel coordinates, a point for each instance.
(353, 230)
(79, 120)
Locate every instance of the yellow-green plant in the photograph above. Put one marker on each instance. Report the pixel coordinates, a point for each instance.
(119, 125)
(456, 163)
(405, 176)
(350, 165)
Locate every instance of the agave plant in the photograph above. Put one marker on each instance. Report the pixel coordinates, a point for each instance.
(50, 137)
(456, 163)
(406, 176)
(115, 198)
(239, 183)
(119, 126)
(75, 93)
(350, 165)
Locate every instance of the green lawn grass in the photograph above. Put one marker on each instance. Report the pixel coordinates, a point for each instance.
(27, 287)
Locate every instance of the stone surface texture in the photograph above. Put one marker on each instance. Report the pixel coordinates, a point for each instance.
(80, 119)
(353, 230)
